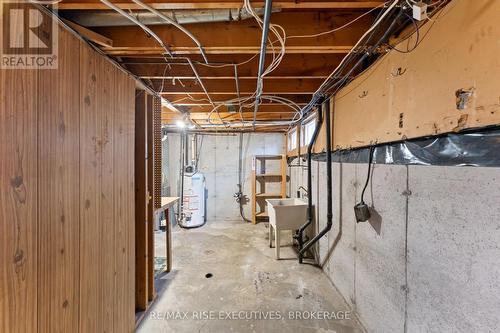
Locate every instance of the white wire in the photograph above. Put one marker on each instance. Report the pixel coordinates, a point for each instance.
(387, 11)
(339, 28)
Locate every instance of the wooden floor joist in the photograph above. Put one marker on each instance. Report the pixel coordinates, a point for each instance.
(318, 36)
(201, 4)
(129, 51)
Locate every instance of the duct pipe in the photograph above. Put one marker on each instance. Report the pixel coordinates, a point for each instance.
(174, 23)
(319, 122)
(329, 201)
(102, 18)
(262, 59)
(136, 21)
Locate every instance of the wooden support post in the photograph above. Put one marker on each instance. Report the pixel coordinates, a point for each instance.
(283, 176)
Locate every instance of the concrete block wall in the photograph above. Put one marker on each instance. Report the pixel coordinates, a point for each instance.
(429, 258)
(219, 163)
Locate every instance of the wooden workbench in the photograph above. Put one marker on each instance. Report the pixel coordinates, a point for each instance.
(166, 203)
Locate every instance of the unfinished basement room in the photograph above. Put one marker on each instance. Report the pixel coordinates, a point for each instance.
(250, 166)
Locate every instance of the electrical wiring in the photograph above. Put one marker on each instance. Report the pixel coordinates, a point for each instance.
(321, 90)
(136, 21)
(175, 24)
(280, 34)
(417, 30)
(277, 56)
(417, 39)
(371, 68)
(339, 28)
(243, 103)
(238, 91)
(389, 9)
(228, 64)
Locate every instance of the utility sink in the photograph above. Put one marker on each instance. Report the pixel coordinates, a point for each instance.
(285, 214)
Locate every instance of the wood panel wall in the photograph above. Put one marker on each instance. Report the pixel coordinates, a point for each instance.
(67, 195)
(141, 201)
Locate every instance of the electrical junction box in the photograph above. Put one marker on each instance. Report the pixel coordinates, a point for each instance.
(420, 11)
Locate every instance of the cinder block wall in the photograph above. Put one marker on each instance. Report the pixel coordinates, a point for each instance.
(219, 163)
(429, 258)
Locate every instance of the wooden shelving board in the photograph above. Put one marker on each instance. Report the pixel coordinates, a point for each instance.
(268, 195)
(268, 175)
(272, 177)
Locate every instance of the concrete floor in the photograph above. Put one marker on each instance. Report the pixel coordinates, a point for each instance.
(249, 290)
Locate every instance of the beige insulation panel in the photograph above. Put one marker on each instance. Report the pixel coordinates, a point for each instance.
(414, 94)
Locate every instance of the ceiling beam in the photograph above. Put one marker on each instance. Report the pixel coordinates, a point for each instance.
(245, 86)
(291, 65)
(129, 51)
(90, 35)
(176, 98)
(290, 77)
(191, 4)
(209, 106)
(216, 36)
(201, 94)
(266, 108)
(246, 115)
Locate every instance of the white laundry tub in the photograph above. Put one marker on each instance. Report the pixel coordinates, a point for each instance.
(285, 214)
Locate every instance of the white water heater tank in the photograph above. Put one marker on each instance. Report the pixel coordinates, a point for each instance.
(194, 200)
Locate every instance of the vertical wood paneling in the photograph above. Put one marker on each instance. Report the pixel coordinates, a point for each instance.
(105, 104)
(150, 201)
(129, 100)
(141, 230)
(18, 201)
(67, 213)
(124, 194)
(58, 211)
(91, 254)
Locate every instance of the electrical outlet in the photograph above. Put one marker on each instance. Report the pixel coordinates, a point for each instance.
(420, 11)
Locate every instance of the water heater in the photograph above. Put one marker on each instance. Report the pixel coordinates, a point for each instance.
(194, 201)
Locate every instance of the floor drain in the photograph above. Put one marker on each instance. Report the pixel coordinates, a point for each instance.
(208, 275)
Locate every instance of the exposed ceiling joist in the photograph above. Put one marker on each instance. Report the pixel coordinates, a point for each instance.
(200, 4)
(245, 86)
(175, 98)
(129, 51)
(292, 65)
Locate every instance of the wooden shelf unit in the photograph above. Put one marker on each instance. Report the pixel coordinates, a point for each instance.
(260, 177)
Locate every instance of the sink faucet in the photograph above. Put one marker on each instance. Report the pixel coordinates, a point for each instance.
(305, 190)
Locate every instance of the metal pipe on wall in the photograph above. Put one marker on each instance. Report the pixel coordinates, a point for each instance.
(103, 18)
(319, 122)
(262, 58)
(329, 201)
(180, 212)
(140, 24)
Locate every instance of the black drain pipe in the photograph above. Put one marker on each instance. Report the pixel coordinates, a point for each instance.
(319, 122)
(329, 201)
